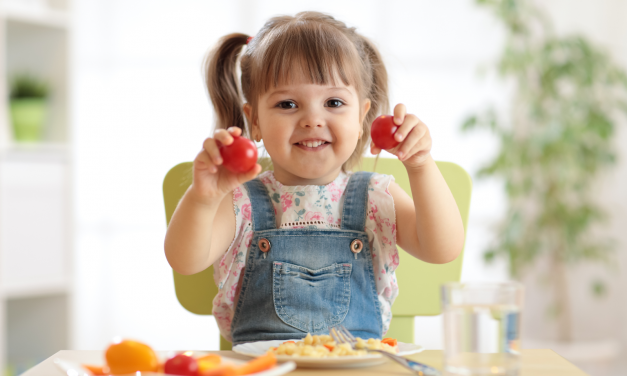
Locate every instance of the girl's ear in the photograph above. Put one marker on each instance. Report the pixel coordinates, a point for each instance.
(365, 109)
(255, 132)
(248, 111)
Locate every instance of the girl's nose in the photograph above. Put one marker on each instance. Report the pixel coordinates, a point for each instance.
(312, 119)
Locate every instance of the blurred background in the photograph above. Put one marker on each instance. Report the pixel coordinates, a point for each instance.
(119, 87)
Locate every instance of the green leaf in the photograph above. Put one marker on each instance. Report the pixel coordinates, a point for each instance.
(28, 86)
(599, 289)
(469, 123)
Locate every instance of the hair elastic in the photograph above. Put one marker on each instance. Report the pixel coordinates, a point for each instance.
(249, 39)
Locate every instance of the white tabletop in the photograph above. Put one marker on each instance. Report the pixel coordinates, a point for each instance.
(534, 363)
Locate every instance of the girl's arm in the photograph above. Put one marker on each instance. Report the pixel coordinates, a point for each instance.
(203, 224)
(430, 226)
(195, 239)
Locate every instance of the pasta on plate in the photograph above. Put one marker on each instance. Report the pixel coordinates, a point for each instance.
(323, 346)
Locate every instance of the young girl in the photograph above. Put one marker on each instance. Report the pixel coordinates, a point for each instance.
(309, 245)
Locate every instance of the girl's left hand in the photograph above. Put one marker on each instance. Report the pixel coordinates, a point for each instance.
(414, 137)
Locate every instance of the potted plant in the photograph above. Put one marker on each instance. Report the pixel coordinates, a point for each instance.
(28, 106)
(555, 137)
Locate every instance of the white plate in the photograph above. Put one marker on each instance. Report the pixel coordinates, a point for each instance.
(259, 348)
(75, 369)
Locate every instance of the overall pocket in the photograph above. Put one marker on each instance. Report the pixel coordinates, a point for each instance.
(311, 300)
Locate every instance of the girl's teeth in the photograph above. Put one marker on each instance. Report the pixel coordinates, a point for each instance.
(312, 144)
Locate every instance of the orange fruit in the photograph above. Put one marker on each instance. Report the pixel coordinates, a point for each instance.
(208, 362)
(97, 370)
(128, 356)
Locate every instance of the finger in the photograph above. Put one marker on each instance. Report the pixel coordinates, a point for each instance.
(235, 131)
(212, 150)
(413, 142)
(223, 136)
(410, 122)
(202, 162)
(423, 146)
(250, 175)
(374, 149)
(416, 150)
(399, 113)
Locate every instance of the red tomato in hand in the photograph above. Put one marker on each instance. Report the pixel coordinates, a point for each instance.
(240, 156)
(382, 132)
(181, 364)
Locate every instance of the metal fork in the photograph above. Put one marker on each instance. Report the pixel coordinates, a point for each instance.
(341, 335)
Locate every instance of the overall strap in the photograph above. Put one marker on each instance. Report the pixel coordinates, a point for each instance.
(356, 201)
(263, 217)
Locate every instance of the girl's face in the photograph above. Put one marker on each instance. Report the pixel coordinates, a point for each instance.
(309, 130)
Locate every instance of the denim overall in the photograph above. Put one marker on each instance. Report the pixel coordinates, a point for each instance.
(300, 281)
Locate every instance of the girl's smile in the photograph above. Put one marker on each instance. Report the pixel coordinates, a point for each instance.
(312, 145)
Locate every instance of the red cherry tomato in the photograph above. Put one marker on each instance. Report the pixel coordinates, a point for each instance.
(181, 364)
(382, 132)
(240, 156)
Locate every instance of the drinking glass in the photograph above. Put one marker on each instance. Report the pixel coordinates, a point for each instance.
(482, 328)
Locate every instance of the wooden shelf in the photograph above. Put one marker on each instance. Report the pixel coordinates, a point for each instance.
(36, 152)
(35, 289)
(45, 17)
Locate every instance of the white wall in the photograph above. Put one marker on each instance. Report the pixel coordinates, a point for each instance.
(603, 22)
(140, 108)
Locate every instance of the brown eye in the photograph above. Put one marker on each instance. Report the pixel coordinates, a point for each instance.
(334, 103)
(286, 105)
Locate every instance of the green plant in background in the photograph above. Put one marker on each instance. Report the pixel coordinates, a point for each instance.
(28, 103)
(554, 141)
(27, 86)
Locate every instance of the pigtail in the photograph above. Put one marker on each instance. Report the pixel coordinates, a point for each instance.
(220, 68)
(377, 92)
(380, 101)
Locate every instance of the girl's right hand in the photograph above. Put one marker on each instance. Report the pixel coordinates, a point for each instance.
(212, 181)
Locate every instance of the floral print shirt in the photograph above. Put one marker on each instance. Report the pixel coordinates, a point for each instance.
(306, 206)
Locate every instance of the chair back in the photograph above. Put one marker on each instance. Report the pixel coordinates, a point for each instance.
(419, 282)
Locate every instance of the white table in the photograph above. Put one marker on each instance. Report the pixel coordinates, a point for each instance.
(534, 363)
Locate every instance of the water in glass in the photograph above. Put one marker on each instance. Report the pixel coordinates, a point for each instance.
(482, 338)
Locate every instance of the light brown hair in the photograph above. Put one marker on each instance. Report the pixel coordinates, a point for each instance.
(318, 44)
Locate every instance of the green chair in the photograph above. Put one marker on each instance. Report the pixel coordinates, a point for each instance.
(419, 282)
